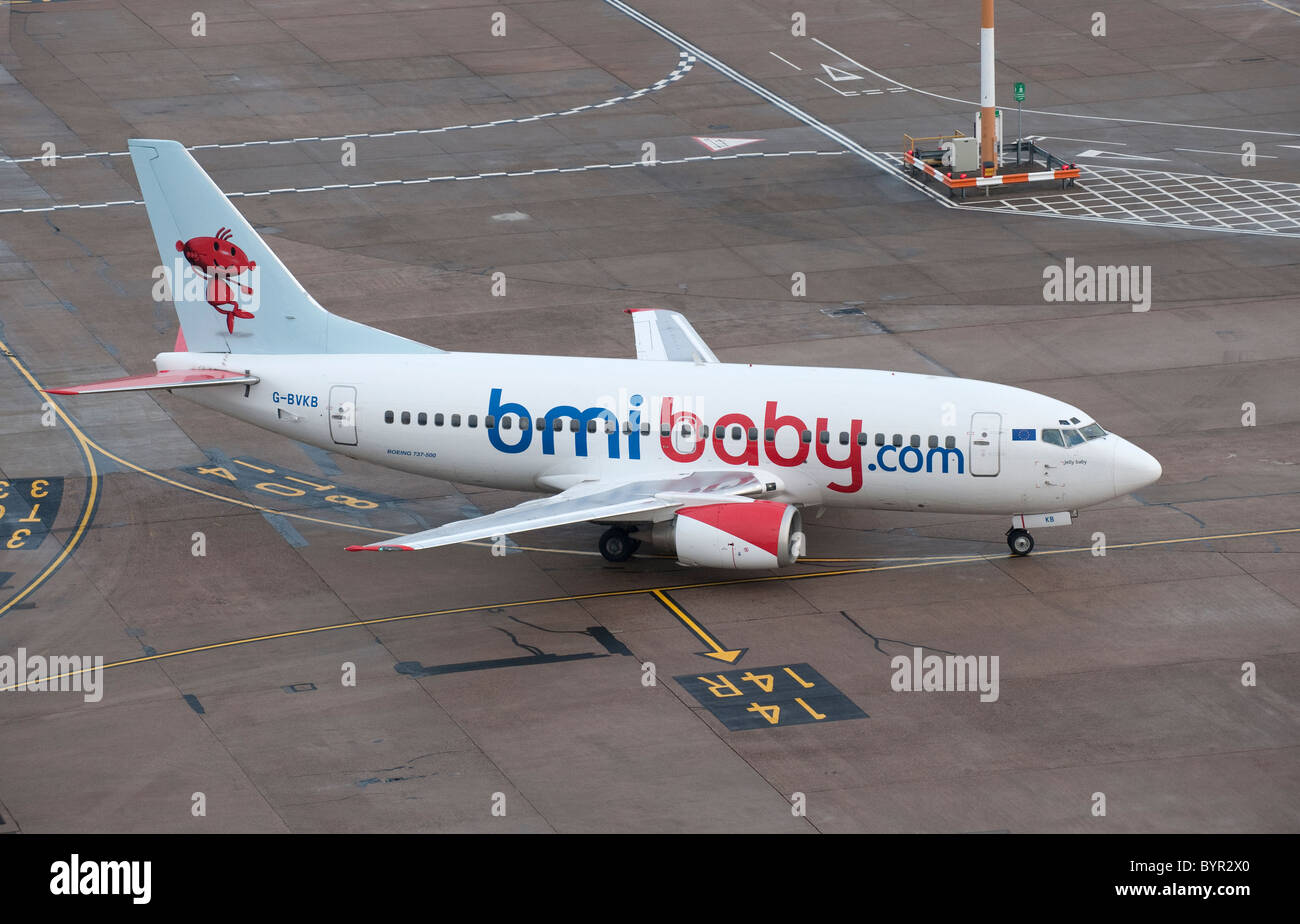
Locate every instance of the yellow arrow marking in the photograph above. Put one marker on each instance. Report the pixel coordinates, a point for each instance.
(731, 656)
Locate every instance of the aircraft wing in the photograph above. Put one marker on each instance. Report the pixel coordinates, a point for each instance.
(662, 334)
(591, 500)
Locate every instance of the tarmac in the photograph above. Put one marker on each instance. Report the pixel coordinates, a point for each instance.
(258, 678)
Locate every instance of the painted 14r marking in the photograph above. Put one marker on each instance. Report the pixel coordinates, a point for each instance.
(766, 697)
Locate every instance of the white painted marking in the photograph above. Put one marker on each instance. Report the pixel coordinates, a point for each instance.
(722, 144)
(1122, 144)
(1236, 154)
(437, 179)
(779, 58)
(1098, 155)
(685, 62)
(1064, 115)
(834, 73)
(836, 89)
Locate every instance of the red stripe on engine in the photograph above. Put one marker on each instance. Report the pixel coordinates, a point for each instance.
(757, 522)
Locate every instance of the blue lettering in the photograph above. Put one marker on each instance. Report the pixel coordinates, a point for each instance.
(634, 428)
(580, 436)
(496, 409)
(880, 459)
(902, 459)
(943, 455)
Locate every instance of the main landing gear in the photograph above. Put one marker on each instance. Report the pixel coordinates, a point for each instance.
(1020, 541)
(617, 545)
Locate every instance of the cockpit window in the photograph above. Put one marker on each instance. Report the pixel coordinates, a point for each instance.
(1072, 437)
(1053, 437)
(1092, 432)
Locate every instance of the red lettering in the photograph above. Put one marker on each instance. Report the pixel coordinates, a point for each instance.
(774, 423)
(853, 462)
(667, 416)
(749, 455)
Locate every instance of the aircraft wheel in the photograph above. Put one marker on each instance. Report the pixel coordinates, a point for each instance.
(1020, 541)
(617, 545)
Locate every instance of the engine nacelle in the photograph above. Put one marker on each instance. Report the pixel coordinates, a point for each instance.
(745, 535)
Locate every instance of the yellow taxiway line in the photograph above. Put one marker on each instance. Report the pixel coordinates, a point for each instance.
(651, 591)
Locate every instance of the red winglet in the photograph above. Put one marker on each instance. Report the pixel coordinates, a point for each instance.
(379, 548)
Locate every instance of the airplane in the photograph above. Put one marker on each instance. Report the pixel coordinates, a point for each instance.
(707, 461)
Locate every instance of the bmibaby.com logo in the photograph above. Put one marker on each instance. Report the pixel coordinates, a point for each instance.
(76, 876)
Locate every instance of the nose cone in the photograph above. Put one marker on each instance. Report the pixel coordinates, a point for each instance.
(1134, 468)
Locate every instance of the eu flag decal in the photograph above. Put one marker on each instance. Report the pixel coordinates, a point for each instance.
(1030, 435)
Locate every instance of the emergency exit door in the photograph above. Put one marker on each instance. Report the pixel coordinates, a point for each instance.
(985, 442)
(343, 415)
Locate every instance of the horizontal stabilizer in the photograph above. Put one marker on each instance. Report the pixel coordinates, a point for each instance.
(183, 378)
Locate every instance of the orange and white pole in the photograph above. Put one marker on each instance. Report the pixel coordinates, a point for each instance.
(988, 105)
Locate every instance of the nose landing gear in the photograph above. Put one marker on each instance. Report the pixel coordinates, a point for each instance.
(1020, 542)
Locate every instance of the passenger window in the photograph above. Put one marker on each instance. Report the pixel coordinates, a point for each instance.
(422, 419)
(645, 429)
(950, 442)
(455, 420)
(541, 423)
(558, 424)
(806, 436)
(1092, 432)
(574, 424)
(753, 433)
(898, 439)
(1072, 437)
(473, 420)
(737, 433)
(505, 422)
(769, 435)
(862, 439)
(934, 442)
(438, 420)
(686, 429)
(844, 438)
(915, 441)
(824, 437)
(880, 439)
(388, 416)
(490, 422)
(406, 417)
(665, 430)
(611, 426)
(591, 426)
(704, 433)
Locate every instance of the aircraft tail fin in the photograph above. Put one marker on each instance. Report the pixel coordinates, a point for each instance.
(232, 293)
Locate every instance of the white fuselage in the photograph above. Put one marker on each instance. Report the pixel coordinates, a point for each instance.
(932, 443)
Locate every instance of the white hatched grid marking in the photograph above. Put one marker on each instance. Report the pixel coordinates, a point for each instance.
(1155, 197)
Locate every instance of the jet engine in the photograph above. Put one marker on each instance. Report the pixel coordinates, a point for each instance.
(739, 536)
